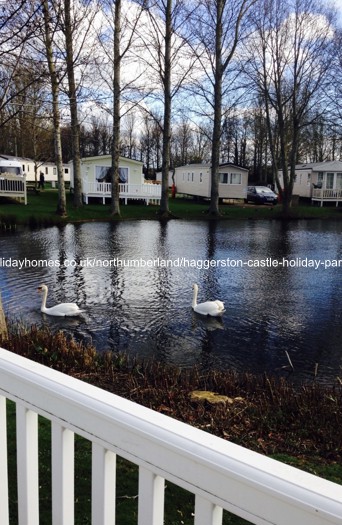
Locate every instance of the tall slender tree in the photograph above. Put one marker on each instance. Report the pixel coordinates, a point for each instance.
(164, 205)
(48, 42)
(117, 57)
(117, 37)
(219, 26)
(67, 26)
(169, 60)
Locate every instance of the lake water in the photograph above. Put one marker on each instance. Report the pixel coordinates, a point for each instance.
(281, 285)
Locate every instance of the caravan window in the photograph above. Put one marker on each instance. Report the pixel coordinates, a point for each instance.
(10, 169)
(339, 181)
(103, 174)
(123, 175)
(330, 181)
(235, 178)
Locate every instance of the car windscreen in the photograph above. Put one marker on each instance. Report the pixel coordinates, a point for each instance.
(264, 190)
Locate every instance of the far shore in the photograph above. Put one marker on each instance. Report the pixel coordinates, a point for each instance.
(41, 211)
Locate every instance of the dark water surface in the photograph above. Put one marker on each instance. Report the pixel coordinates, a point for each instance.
(134, 281)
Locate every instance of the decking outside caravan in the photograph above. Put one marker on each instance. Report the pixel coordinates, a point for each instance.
(319, 181)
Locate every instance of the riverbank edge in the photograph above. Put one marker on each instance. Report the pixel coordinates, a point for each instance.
(296, 424)
(41, 212)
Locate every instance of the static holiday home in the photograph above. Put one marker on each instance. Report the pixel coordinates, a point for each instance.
(48, 169)
(96, 177)
(195, 179)
(320, 181)
(29, 167)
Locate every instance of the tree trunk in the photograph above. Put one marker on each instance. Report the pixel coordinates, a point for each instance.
(115, 202)
(61, 205)
(75, 129)
(216, 137)
(164, 211)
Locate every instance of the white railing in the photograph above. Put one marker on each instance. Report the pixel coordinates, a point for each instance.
(327, 195)
(13, 186)
(126, 191)
(220, 474)
(150, 190)
(96, 187)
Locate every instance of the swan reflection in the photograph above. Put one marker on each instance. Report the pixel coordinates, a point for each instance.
(207, 322)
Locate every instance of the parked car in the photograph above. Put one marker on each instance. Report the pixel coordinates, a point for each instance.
(261, 195)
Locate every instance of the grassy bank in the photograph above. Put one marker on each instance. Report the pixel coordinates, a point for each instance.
(265, 414)
(41, 211)
(262, 413)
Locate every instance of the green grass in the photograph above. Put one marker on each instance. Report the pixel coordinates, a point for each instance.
(41, 211)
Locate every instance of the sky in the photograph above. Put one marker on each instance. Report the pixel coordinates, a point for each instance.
(338, 4)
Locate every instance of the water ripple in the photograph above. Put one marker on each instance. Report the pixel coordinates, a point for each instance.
(147, 310)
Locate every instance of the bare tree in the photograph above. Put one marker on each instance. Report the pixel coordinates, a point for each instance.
(18, 25)
(182, 142)
(289, 58)
(34, 133)
(151, 139)
(169, 60)
(219, 26)
(117, 57)
(68, 29)
(129, 139)
(117, 37)
(164, 206)
(48, 41)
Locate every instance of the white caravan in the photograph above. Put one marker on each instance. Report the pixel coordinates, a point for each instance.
(10, 167)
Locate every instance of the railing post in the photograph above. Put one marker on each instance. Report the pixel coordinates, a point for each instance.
(62, 444)
(206, 513)
(27, 466)
(103, 486)
(4, 516)
(151, 498)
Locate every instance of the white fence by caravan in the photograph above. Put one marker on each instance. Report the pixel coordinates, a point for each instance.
(220, 474)
(13, 186)
(147, 192)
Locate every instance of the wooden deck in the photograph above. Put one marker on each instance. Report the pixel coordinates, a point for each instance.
(150, 193)
(13, 186)
(322, 196)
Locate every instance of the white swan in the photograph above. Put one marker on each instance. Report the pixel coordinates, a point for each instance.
(213, 308)
(60, 310)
